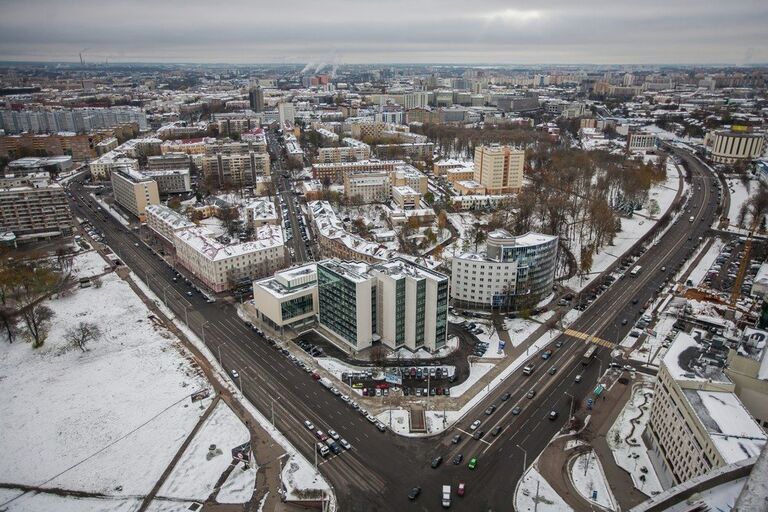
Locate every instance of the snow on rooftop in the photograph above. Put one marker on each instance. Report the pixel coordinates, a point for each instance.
(683, 350)
(735, 433)
(202, 240)
(330, 226)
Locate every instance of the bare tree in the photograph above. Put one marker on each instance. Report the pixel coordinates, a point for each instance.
(8, 320)
(82, 334)
(37, 318)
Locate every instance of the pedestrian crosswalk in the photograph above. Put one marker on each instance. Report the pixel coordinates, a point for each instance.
(588, 337)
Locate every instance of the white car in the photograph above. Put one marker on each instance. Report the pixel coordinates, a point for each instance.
(474, 425)
(343, 442)
(234, 373)
(309, 425)
(334, 435)
(371, 418)
(345, 398)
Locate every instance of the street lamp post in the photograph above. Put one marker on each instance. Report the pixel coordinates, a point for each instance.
(525, 458)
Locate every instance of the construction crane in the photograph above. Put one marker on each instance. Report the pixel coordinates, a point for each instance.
(736, 292)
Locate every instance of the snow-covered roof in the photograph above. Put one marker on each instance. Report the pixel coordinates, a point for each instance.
(202, 240)
(171, 218)
(529, 239)
(734, 432)
(290, 281)
(677, 360)
(330, 226)
(261, 210)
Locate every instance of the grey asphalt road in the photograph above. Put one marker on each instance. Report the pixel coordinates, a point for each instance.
(380, 469)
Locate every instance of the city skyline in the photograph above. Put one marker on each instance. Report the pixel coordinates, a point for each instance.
(491, 32)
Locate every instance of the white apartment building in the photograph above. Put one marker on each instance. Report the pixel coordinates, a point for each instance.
(31, 207)
(328, 136)
(344, 154)
(217, 262)
(398, 303)
(261, 211)
(499, 168)
(165, 222)
(134, 191)
(335, 241)
(286, 112)
(288, 299)
(405, 197)
(239, 169)
(373, 187)
(479, 202)
(514, 272)
(171, 181)
(111, 161)
(697, 422)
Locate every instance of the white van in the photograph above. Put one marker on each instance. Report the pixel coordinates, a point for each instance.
(323, 449)
(529, 369)
(446, 496)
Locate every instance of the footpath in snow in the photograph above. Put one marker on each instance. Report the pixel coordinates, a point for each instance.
(624, 438)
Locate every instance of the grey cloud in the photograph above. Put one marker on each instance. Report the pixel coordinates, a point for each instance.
(387, 31)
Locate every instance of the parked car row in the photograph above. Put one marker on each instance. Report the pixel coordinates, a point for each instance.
(311, 349)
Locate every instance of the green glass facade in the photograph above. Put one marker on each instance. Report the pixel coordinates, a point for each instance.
(337, 304)
(296, 307)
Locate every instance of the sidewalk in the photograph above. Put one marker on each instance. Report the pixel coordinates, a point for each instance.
(553, 462)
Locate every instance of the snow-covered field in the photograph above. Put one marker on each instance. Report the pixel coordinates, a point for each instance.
(533, 493)
(476, 372)
(588, 478)
(519, 329)
(109, 420)
(739, 194)
(302, 478)
(634, 457)
(199, 468)
(302, 481)
(88, 264)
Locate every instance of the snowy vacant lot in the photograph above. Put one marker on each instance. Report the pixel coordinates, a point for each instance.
(108, 420)
(589, 480)
(534, 493)
(199, 468)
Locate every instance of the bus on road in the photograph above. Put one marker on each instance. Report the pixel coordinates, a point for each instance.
(635, 271)
(589, 355)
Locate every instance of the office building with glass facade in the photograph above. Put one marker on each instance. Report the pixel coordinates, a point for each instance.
(399, 303)
(288, 299)
(515, 272)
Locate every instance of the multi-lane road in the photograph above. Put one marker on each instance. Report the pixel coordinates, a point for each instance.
(381, 468)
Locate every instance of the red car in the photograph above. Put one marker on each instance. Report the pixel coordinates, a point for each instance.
(462, 489)
(316, 376)
(382, 385)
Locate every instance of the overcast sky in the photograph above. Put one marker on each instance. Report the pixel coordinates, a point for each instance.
(383, 31)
